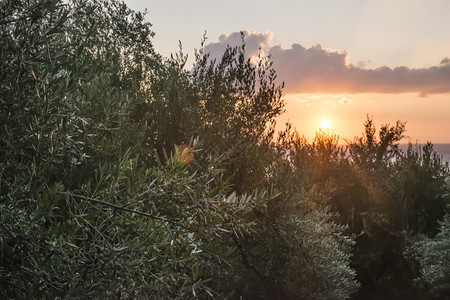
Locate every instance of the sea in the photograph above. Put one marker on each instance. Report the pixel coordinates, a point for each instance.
(441, 149)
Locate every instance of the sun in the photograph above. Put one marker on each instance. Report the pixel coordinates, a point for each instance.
(325, 124)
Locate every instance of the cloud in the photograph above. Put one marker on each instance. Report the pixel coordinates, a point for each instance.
(254, 42)
(327, 71)
(320, 70)
(445, 61)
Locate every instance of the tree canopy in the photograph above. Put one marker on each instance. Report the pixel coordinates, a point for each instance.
(125, 174)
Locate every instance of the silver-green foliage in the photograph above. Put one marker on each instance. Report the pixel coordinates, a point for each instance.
(88, 210)
(433, 255)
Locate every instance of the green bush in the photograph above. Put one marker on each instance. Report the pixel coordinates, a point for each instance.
(433, 255)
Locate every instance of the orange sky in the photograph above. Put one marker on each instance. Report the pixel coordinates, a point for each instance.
(428, 119)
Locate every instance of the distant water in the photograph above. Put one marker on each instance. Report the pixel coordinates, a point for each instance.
(441, 149)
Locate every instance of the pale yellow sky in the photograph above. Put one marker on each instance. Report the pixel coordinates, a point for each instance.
(379, 32)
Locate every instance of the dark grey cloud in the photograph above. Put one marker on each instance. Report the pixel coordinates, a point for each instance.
(320, 70)
(445, 61)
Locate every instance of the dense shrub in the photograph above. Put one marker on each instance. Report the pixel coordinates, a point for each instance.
(96, 201)
(125, 175)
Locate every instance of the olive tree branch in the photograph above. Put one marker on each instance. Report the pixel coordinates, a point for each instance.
(118, 207)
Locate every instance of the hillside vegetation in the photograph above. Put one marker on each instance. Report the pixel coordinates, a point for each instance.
(126, 174)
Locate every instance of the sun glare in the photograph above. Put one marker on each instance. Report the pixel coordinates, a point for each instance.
(325, 124)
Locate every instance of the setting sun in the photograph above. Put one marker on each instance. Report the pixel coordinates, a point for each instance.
(325, 123)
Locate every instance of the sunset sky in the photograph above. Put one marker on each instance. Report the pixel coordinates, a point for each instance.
(340, 60)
